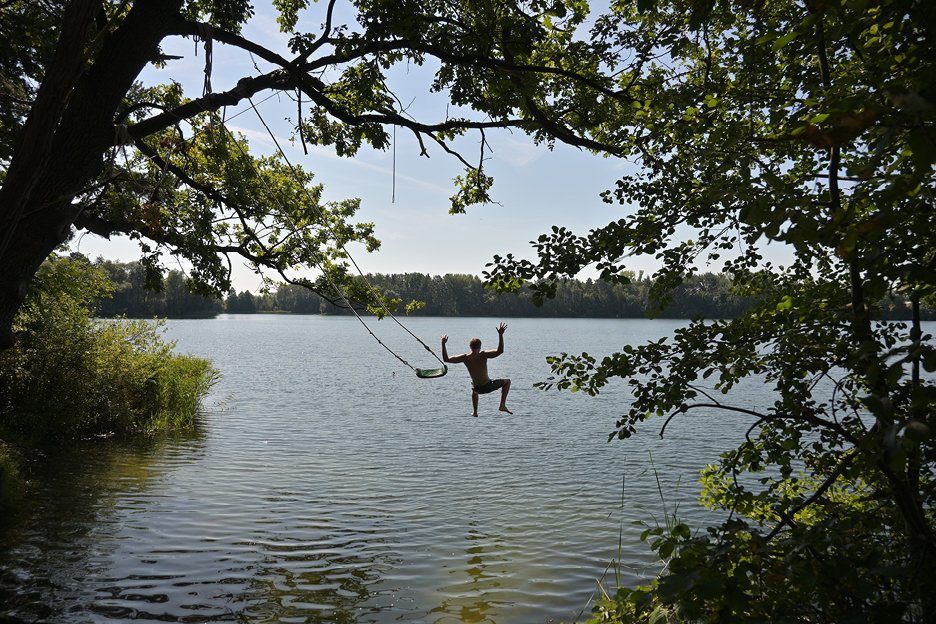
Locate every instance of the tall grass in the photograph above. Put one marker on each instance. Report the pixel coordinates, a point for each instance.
(624, 605)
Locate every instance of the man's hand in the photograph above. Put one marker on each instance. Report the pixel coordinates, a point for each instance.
(502, 328)
(444, 338)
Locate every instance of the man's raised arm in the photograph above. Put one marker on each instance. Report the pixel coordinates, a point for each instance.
(445, 355)
(500, 341)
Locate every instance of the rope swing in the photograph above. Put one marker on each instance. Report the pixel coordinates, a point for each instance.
(423, 373)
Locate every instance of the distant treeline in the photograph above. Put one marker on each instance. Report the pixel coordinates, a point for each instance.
(169, 298)
(707, 295)
(464, 295)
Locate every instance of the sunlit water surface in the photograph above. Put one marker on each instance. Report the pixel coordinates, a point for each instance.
(327, 483)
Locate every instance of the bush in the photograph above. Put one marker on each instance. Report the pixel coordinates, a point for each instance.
(73, 377)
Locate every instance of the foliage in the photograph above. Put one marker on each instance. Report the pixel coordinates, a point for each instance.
(752, 122)
(26, 46)
(706, 295)
(809, 125)
(72, 377)
(90, 148)
(131, 297)
(218, 197)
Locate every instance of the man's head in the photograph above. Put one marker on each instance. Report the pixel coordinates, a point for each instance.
(475, 344)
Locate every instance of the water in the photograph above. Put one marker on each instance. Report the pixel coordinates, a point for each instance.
(326, 483)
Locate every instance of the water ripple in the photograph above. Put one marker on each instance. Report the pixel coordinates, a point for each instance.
(327, 488)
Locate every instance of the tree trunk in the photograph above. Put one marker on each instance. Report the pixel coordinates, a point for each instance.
(62, 144)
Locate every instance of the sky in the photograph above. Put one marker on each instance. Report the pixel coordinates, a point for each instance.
(404, 194)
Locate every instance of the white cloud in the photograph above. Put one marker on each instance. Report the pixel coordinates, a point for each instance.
(517, 152)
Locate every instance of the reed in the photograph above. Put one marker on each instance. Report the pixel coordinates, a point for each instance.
(624, 605)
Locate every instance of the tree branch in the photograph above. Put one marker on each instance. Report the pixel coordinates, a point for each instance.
(246, 87)
(786, 518)
(729, 408)
(812, 419)
(196, 29)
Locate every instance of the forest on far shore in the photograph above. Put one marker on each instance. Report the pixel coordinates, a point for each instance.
(706, 295)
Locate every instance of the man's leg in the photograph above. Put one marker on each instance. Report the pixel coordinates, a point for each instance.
(474, 403)
(503, 404)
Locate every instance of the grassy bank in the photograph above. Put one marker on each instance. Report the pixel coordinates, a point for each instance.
(71, 377)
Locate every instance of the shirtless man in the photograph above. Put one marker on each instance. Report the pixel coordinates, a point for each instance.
(476, 363)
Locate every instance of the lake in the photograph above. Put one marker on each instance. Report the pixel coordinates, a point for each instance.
(327, 483)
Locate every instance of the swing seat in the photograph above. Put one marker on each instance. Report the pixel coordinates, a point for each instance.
(429, 373)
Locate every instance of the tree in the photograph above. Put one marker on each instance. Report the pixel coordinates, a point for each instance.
(182, 303)
(809, 124)
(241, 303)
(296, 299)
(185, 186)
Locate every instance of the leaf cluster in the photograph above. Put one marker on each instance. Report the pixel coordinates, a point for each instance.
(28, 31)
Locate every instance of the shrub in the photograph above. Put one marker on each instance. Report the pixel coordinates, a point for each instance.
(71, 376)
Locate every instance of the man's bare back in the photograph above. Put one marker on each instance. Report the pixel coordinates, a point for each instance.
(476, 363)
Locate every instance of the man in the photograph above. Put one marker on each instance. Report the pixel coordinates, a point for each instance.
(476, 363)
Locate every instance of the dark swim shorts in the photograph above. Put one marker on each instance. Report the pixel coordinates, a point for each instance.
(490, 386)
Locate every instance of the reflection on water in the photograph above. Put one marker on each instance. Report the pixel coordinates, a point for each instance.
(331, 485)
(52, 539)
(470, 595)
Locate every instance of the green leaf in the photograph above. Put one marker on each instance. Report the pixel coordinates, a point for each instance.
(784, 40)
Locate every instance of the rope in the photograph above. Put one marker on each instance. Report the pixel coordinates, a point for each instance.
(332, 232)
(205, 32)
(321, 216)
(121, 138)
(319, 265)
(333, 286)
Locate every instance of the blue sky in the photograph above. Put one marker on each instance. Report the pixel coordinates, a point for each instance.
(535, 188)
